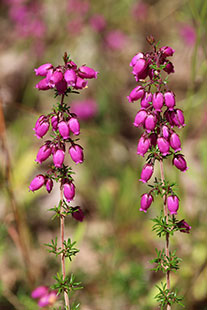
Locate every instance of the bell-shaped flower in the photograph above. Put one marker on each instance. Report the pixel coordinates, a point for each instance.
(87, 73)
(78, 214)
(43, 69)
(169, 100)
(175, 142)
(146, 173)
(146, 201)
(158, 101)
(140, 118)
(163, 146)
(43, 153)
(76, 153)
(49, 185)
(136, 94)
(37, 182)
(143, 146)
(146, 100)
(172, 204)
(180, 162)
(64, 129)
(74, 125)
(69, 191)
(58, 158)
(70, 77)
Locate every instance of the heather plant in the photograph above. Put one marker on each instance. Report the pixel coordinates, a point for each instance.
(64, 80)
(159, 118)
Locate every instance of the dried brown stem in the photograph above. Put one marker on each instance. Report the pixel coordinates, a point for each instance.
(167, 234)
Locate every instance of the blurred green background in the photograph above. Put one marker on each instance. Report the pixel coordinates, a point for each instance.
(115, 240)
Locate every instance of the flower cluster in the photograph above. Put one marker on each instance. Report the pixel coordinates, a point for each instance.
(64, 78)
(65, 129)
(64, 124)
(158, 116)
(45, 296)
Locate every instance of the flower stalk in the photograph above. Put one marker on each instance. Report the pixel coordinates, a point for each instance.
(159, 118)
(63, 79)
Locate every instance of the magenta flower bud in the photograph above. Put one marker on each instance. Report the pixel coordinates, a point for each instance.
(140, 118)
(39, 121)
(87, 73)
(178, 118)
(169, 100)
(136, 94)
(163, 146)
(64, 129)
(48, 300)
(139, 67)
(74, 125)
(172, 204)
(146, 200)
(80, 83)
(42, 85)
(180, 162)
(41, 129)
(158, 101)
(143, 146)
(184, 226)
(165, 132)
(69, 191)
(61, 87)
(49, 185)
(175, 142)
(43, 153)
(58, 158)
(54, 122)
(146, 100)
(150, 122)
(167, 51)
(55, 78)
(70, 77)
(135, 59)
(43, 69)
(78, 215)
(146, 173)
(39, 292)
(169, 68)
(37, 182)
(76, 153)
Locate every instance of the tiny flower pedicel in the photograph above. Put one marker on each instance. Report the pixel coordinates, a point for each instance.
(159, 118)
(63, 80)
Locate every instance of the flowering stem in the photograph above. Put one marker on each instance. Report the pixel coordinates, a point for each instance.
(62, 236)
(167, 234)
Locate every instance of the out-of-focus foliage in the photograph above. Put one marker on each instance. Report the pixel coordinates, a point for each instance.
(115, 240)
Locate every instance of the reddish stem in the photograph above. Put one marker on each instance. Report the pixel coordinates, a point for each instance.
(167, 234)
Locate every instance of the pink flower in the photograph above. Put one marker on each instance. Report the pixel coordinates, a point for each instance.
(69, 191)
(85, 109)
(98, 22)
(76, 153)
(78, 214)
(188, 34)
(116, 39)
(37, 182)
(146, 201)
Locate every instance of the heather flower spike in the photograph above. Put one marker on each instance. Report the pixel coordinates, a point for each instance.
(64, 126)
(159, 117)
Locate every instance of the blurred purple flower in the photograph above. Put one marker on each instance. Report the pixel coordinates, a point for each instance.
(98, 22)
(78, 6)
(116, 39)
(188, 34)
(85, 109)
(140, 10)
